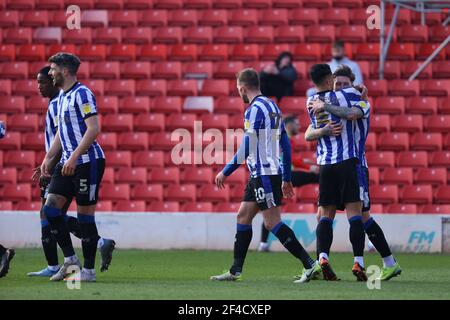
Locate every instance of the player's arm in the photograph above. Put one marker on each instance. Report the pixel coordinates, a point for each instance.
(285, 144)
(53, 152)
(92, 131)
(330, 129)
(353, 113)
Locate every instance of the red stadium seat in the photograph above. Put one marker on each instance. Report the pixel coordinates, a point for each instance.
(377, 87)
(230, 105)
(12, 104)
(227, 69)
(198, 35)
(47, 35)
(366, 51)
(307, 52)
(336, 16)
(423, 51)
(31, 52)
(412, 33)
(167, 35)
(437, 123)
(414, 159)
(24, 88)
(322, 33)
(197, 207)
(23, 122)
(165, 176)
(182, 18)
(242, 17)
(163, 206)
(33, 141)
(167, 104)
(107, 35)
(119, 122)
(152, 18)
(212, 193)
(11, 141)
(167, 4)
(214, 121)
(150, 192)
(162, 141)
(289, 34)
(115, 192)
(308, 193)
(130, 206)
(177, 121)
(422, 105)
(351, 33)
(435, 209)
(443, 105)
(244, 52)
(131, 176)
(17, 192)
(409, 67)
(107, 104)
(94, 18)
(272, 51)
(213, 18)
(441, 69)
(321, 4)
(397, 176)
(197, 4)
(149, 122)
(300, 208)
(390, 105)
(213, 52)
(166, 70)
(9, 18)
(391, 69)
(304, 16)
(17, 35)
(117, 159)
(442, 195)
(19, 159)
(380, 123)
(137, 35)
(183, 52)
(197, 176)
(102, 70)
(407, 123)
(152, 52)
(435, 87)
(403, 88)
(426, 141)
(109, 4)
(122, 52)
(8, 175)
(293, 105)
(77, 36)
(401, 51)
(120, 87)
(228, 34)
(151, 87)
(438, 33)
(434, 176)
(108, 140)
(148, 159)
(133, 141)
(182, 87)
(123, 18)
(273, 17)
(227, 207)
(440, 159)
(6, 205)
(184, 192)
(135, 70)
(92, 52)
(215, 88)
(380, 159)
(259, 34)
(7, 52)
(402, 208)
(385, 194)
(134, 104)
(417, 194)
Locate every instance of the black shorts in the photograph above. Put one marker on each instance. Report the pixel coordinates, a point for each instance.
(265, 191)
(365, 181)
(301, 178)
(83, 185)
(340, 183)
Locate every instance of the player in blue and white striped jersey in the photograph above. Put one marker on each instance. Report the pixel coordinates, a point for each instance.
(49, 245)
(343, 78)
(80, 170)
(337, 156)
(263, 141)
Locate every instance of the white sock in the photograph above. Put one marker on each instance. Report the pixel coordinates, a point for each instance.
(323, 255)
(53, 268)
(389, 261)
(70, 259)
(89, 271)
(360, 260)
(100, 243)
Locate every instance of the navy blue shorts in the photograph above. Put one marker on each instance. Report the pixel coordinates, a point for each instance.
(265, 191)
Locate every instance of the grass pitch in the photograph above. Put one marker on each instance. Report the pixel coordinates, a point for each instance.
(184, 274)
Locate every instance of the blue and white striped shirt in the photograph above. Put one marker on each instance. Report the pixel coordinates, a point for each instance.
(330, 149)
(51, 122)
(263, 120)
(362, 131)
(74, 106)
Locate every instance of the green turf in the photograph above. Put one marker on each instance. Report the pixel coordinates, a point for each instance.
(138, 274)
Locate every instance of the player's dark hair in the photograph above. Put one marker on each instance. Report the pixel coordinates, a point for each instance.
(66, 60)
(319, 72)
(344, 71)
(338, 44)
(290, 118)
(249, 77)
(44, 71)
